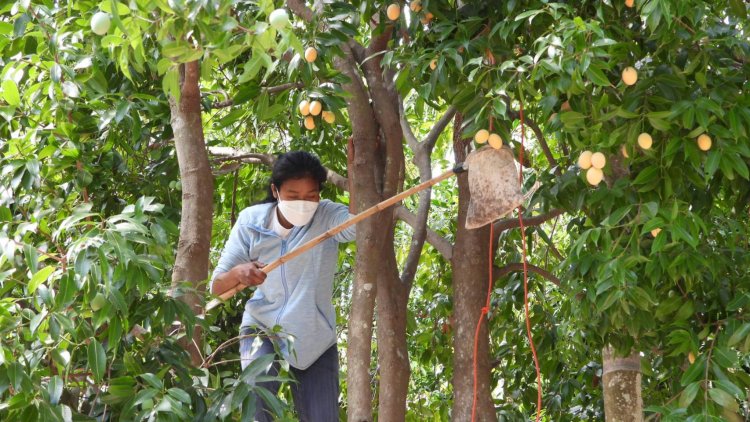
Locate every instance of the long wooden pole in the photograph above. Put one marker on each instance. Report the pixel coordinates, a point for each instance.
(335, 230)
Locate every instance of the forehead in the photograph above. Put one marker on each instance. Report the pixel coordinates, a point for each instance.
(305, 184)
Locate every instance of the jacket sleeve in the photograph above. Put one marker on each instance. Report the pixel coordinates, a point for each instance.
(235, 250)
(337, 214)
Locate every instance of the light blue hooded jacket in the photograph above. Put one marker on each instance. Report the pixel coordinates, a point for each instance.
(297, 295)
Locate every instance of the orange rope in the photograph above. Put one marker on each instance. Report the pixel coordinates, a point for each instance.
(526, 277)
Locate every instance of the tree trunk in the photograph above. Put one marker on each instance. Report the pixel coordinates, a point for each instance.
(393, 356)
(622, 387)
(191, 262)
(470, 278)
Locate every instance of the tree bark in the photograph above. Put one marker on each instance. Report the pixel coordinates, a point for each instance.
(470, 277)
(622, 386)
(191, 262)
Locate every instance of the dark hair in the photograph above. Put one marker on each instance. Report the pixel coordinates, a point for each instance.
(295, 165)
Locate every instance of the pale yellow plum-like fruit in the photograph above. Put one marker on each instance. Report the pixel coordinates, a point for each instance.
(309, 123)
(495, 141)
(645, 140)
(629, 75)
(311, 54)
(704, 142)
(393, 11)
(598, 160)
(584, 160)
(304, 107)
(315, 107)
(594, 176)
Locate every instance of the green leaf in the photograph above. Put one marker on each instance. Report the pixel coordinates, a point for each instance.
(10, 93)
(694, 371)
(597, 76)
(40, 277)
(722, 398)
(97, 359)
(55, 389)
(689, 393)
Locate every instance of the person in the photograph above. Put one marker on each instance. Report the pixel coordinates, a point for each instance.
(298, 295)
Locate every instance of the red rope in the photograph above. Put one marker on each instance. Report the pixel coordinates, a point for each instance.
(526, 276)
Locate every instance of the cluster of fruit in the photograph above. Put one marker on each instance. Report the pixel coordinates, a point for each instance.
(394, 11)
(593, 163)
(309, 109)
(484, 135)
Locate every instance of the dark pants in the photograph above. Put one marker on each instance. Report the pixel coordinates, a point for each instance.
(316, 390)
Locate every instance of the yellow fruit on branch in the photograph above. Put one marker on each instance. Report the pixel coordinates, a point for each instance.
(645, 140)
(315, 108)
(691, 357)
(311, 54)
(598, 160)
(495, 141)
(655, 232)
(329, 117)
(704, 142)
(629, 3)
(481, 136)
(629, 75)
(309, 123)
(304, 107)
(584, 160)
(415, 6)
(427, 18)
(433, 64)
(393, 11)
(594, 176)
(624, 151)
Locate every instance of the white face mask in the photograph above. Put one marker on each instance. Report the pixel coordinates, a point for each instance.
(298, 213)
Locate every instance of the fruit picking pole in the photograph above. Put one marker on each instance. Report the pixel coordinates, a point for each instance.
(460, 168)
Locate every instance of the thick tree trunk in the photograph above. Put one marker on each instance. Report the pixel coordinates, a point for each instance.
(470, 278)
(622, 387)
(191, 262)
(393, 356)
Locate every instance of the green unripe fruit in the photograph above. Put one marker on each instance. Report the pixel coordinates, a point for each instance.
(98, 302)
(279, 19)
(100, 23)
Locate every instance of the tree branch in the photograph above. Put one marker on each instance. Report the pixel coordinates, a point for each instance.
(537, 132)
(298, 8)
(269, 90)
(499, 272)
(511, 223)
(441, 244)
(439, 127)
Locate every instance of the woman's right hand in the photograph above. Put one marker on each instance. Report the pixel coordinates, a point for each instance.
(249, 274)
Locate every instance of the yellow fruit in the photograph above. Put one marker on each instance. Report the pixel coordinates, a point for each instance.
(304, 107)
(309, 123)
(691, 357)
(329, 117)
(565, 106)
(624, 152)
(495, 141)
(594, 176)
(629, 3)
(315, 108)
(481, 136)
(311, 54)
(427, 18)
(645, 140)
(415, 6)
(598, 160)
(584, 160)
(433, 64)
(629, 75)
(704, 142)
(655, 232)
(393, 11)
